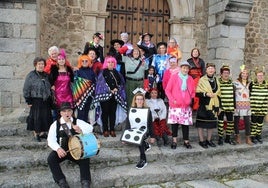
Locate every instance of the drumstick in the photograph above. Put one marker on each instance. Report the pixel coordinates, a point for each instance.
(71, 150)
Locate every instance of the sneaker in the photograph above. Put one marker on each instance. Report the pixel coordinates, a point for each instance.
(147, 146)
(141, 164)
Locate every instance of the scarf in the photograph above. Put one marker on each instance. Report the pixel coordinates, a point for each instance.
(204, 87)
(184, 81)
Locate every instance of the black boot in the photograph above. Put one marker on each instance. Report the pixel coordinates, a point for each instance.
(229, 140)
(220, 141)
(254, 140)
(63, 183)
(259, 139)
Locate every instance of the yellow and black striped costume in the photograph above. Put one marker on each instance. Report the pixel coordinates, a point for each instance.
(227, 103)
(258, 105)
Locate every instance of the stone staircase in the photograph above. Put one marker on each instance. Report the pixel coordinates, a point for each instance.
(23, 162)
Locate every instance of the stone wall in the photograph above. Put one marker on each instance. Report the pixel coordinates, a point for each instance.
(256, 50)
(17, 50)
(61, 24)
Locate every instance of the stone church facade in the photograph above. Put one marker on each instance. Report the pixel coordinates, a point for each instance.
(232, 32)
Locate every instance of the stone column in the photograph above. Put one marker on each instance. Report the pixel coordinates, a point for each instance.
(94, 16)
(226, 41)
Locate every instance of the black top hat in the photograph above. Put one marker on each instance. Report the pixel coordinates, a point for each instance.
(98, 35)
(65, 106)
(161, 43)
(117, 41)
(144, 48)
(143, 35)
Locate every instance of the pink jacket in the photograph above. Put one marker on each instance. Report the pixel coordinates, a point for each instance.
(167, 75)
(176, 97)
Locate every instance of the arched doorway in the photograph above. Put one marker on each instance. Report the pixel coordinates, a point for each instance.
(137, 17)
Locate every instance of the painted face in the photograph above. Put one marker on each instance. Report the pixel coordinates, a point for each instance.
(66, 114)
(185, 70)
(225, 75)
(139, 101)
(40, 65)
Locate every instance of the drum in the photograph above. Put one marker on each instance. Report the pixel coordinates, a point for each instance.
(83, 146)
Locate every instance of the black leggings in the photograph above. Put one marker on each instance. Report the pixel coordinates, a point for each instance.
(184, 128)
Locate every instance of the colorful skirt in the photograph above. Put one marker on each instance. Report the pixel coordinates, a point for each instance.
(181, 116)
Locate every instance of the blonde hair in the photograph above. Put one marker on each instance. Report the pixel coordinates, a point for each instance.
(133, 104)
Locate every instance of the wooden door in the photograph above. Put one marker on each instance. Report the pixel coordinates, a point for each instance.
(136, 17)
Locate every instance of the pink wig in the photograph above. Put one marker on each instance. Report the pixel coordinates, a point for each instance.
(109, 59)
(62, 53)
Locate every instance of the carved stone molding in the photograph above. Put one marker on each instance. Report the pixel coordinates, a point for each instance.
(237, 12)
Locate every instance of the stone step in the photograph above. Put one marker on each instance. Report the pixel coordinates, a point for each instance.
(157, 172)
(21, 159)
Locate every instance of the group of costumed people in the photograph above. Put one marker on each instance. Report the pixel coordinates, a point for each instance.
(148, 86)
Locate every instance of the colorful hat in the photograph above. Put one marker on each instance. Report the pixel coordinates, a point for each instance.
(98, 35)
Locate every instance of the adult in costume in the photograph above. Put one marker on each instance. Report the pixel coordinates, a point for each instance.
(53, 53)
(174, 68)
(135, 69)
(110, 91)
(173, 49)
(117, 50)
(138, 103)
(161, 63)
(83, 87)
(124, 37)
(208, 91)
(61, 77)
(97, 37)
(159, 114)
(145, 41)
(94, 56)
(36, 91)
(242, 105)
(198, 69)
(180, 91)
(227, 103)
(258, 104)
(58, 136)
